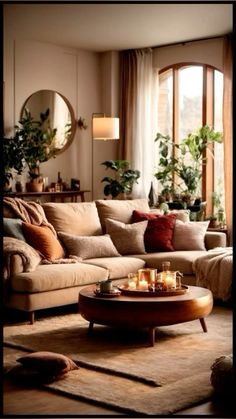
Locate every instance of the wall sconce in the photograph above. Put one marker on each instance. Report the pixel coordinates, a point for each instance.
(103, 128)
(82, 124)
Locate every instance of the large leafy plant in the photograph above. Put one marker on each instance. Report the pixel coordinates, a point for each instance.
(36, 140)
(184, 160)
(123, 180)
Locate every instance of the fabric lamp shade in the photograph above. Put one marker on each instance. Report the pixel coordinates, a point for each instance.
(105, 128)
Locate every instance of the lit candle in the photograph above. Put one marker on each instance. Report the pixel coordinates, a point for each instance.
(169, 280)
(132, 285)
(143, 285)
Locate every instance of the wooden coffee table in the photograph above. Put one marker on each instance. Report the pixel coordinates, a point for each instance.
(135, 311)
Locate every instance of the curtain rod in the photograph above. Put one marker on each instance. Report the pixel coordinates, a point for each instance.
(188, 42)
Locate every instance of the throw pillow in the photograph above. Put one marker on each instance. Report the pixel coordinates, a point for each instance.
(159, 233)
(119, 210)
(47, 363)
(127, 238)
(89, 247)
(12, 227)
(43, 240)
(190, 236)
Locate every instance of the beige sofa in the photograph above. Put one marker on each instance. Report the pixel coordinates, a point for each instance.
(51, 285)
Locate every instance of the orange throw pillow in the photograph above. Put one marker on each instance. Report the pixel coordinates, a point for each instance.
(43, 240)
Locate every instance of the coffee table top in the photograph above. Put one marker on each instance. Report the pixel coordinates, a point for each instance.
(193, 293)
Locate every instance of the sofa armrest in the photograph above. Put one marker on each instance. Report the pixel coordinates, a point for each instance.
(215, 239)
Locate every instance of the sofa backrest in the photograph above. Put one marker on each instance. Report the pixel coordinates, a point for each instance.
(79, 218)
(119, 210)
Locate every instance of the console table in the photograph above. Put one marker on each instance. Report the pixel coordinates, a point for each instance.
(54, 196)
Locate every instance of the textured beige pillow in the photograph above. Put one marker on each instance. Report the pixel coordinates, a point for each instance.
(182, 215)
(89, 247)
(190, 236)
(79, 218)
(119, 210)
(127, 238)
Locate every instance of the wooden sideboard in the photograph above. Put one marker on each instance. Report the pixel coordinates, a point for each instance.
(53, 196)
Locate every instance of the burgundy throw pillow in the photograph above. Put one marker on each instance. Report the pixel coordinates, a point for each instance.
(159, 232)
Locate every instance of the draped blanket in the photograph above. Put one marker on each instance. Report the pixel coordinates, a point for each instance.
(214, 271)
(27, 211)
(29, 256)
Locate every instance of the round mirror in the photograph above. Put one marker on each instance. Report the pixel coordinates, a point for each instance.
(60, 113)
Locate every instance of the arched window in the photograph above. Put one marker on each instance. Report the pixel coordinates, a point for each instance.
(190, 96)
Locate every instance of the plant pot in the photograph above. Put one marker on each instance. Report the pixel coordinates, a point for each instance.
(34, 186)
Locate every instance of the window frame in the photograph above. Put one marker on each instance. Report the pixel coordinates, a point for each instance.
(207, 118)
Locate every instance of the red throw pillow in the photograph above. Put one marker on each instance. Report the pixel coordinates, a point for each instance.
(159, 232)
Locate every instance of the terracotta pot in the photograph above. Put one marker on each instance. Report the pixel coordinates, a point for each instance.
(34, 186)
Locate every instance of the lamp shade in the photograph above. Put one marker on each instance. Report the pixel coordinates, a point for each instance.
(105, 128)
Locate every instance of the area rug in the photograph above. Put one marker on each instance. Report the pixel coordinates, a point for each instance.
(120, 370)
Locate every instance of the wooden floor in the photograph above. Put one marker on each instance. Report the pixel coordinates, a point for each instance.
(19, 400)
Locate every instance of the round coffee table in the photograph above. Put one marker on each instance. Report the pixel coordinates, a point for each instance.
(135, 311)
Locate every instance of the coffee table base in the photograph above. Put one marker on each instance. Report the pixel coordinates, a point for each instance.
(152, 331)
(130, 312)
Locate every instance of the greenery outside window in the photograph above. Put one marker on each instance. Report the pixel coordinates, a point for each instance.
(190, 96)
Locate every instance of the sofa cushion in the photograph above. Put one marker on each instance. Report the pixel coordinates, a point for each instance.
(79, 218)
(159, 232)
(119, 210)
(182, 215)
(42, 239)
(55, 277)
(88, 247)
(118, 268)
(179, 260)
(12, 227)
(190, 236)
(127, 238)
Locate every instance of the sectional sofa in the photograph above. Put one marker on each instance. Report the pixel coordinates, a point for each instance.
(91, 249)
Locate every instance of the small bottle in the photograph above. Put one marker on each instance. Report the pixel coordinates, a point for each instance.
(59, 181)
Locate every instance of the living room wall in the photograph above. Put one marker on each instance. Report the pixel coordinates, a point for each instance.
(87, 79)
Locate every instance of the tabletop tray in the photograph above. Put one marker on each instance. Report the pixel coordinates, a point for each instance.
(140, 293)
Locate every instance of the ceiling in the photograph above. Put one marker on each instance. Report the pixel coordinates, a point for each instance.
(105, 27)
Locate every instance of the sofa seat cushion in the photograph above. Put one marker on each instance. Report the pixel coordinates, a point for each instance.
(180, 260)
(118, 267)
(54, 276)
(79, 218)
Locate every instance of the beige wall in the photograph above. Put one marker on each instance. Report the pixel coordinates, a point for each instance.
(206, 52)
(88, 80)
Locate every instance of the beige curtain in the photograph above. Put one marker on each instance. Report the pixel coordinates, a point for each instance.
(227, 129)
(138, 115)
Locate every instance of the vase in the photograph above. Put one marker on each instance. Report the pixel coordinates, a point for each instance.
(34, 186)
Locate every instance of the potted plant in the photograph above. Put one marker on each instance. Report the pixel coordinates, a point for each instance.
(187, 165)
(123, 180)
(36, 140)
(12, 160)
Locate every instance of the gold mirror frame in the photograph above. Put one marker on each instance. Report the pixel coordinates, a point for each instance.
(45, 106)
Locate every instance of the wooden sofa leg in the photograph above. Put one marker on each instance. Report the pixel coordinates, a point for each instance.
(31, 317)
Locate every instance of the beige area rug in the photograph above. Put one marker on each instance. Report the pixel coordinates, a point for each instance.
(119, 369)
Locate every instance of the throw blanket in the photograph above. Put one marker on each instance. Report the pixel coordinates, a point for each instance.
(214, 271)
(27, 211)
(29, 256)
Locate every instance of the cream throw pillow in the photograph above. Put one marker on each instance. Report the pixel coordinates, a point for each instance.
(88, 247)
(127, 238)
(190, 236)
